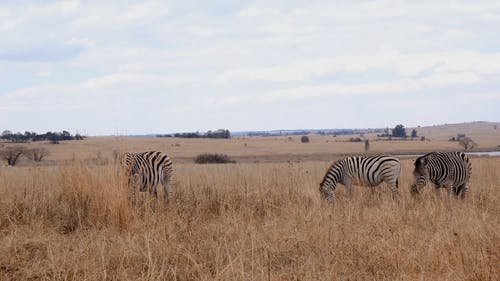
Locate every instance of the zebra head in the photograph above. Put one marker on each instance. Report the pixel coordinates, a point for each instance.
(420, 174)
(329, 183)
(127, 162)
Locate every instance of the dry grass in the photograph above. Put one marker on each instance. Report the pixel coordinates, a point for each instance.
(102, 150)
(243, 222)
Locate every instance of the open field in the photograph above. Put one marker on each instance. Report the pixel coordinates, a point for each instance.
(270, 149)
(244, 221)
(68, 217)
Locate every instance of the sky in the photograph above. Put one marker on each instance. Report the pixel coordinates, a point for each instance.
(139, 67)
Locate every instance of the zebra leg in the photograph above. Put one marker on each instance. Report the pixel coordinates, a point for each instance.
(166, 190)
(331, 197)
(462, 190)
(395, 189)
(131, 194)
(154, 191)
(452, 190)
(133, 182)
(437, 190)
(348, 185)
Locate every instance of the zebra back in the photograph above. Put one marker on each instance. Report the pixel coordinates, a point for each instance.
(364, 170)
(150, 168)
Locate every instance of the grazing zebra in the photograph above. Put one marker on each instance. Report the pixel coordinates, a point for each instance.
(450, 170)
(369, 171)
(147, 170)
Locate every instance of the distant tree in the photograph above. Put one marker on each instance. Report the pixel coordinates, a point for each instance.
(413, 133)
(37, 154)
(495, 127)
(6, 133)
(367, 145)
(304, 139)
(399, 131)
(387, 132)
(467, 143)
(12, 153)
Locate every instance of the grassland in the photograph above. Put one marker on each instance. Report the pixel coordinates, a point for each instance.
(69, 218)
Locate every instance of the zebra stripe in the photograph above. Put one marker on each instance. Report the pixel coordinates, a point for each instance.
(451, 170)
(147, 170)
(369, 171)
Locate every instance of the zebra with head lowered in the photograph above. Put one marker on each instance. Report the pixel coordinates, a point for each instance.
(148, 170)
(369, 171)
(450, 170)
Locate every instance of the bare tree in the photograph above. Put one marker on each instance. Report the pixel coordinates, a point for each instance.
(467, 143)
(37, 154)
(12, 153)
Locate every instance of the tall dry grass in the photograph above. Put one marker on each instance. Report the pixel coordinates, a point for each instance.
(243, 222)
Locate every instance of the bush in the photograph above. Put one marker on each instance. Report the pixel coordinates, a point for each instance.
(413, 133)
(467, 143)
(36, 154)
(304, 139)
(12, 154)
(208, 158)
(355, 140)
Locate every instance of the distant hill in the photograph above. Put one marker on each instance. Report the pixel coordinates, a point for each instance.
(442, 130)
(479, 128)
(469, 128)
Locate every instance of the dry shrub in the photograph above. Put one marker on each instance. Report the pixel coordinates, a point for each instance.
(210, 158)
(89, 200)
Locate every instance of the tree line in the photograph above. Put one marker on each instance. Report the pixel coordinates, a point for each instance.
(53, 137)
(217, 134)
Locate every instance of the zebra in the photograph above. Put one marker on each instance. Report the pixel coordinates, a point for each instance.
(147, 170)
(369, 171)
(450, 170)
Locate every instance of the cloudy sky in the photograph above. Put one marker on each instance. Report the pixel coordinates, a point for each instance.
(120, 67)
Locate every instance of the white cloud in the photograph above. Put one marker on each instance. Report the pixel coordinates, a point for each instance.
(43, 73)
(118, 17)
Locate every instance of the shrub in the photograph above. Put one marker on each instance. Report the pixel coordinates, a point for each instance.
(37, 154)
(304, 139)
(467, 143)
(11, 154)
(208, 158)
(355, 140)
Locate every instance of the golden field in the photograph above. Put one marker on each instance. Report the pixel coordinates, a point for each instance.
(259, 219)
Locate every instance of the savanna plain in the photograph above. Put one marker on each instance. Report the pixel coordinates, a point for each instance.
(261, 218)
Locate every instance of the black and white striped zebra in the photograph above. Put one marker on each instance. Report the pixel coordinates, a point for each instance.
(370, 171)
(451, 170)
(148, 170)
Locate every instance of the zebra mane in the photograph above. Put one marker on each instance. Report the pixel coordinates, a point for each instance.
(336, 163)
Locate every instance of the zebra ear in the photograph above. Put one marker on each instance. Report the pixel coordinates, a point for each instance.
(424, 161)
